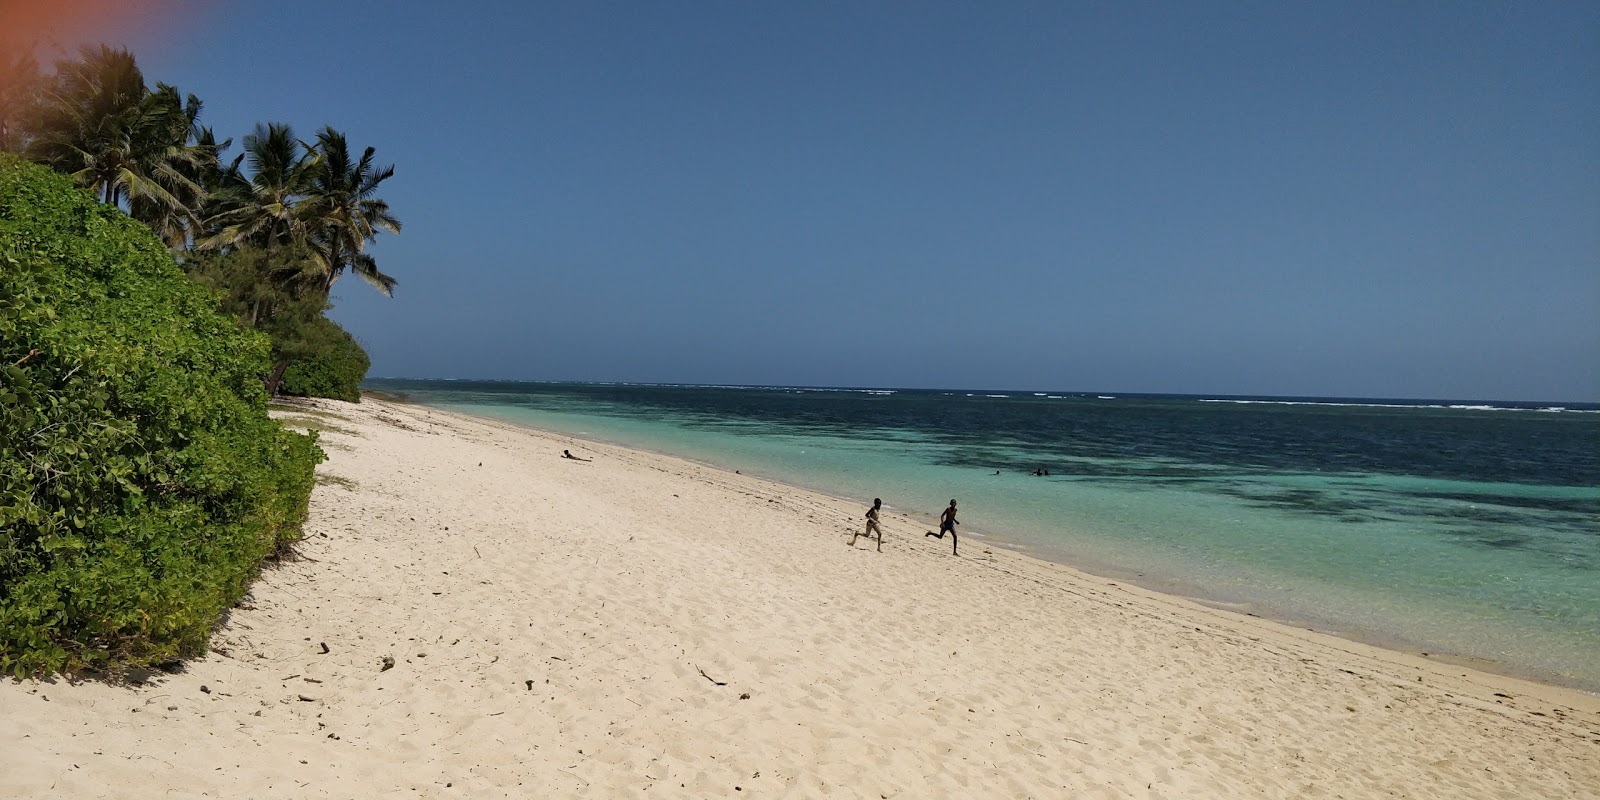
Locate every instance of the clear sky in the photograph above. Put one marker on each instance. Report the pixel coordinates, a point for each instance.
(1386, 199)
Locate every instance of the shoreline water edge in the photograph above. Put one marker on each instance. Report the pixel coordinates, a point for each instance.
(1302, 599)
(471, 612)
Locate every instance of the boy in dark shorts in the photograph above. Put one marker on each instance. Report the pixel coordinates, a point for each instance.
(947, 522)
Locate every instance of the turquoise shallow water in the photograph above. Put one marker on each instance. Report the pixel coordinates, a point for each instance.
(1374, 520)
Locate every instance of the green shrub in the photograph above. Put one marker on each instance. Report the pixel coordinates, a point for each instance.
(334, 367)
(141, 481)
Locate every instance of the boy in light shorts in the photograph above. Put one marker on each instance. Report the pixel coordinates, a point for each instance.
(872, 525)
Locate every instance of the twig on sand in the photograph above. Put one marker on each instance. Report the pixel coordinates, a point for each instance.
(709, 678)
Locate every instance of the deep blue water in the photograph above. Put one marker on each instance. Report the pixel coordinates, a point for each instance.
(1461, 527)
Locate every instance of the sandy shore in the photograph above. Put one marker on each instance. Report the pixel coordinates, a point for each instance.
(642, 626)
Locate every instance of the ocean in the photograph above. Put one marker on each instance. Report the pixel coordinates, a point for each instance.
(1461, 529)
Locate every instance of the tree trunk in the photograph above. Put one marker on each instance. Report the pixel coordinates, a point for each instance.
(276, 377)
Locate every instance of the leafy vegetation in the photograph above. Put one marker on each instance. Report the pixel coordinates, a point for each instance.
(334, 368)
(141, 481)
(19, 82)
(100, 125)
(145, 318)
(271, 231)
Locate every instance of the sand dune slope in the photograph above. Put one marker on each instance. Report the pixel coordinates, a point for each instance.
(641, 626)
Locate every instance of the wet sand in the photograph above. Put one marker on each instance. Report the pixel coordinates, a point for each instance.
(642, 626)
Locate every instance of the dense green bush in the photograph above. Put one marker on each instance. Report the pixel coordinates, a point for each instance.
(266, 289)
(333, 367)
(141, 481)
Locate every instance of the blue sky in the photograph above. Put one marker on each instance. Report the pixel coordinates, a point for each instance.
(1387, 199)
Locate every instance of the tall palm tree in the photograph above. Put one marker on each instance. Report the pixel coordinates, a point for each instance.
(308, 211)
(342, 213)
(19, 89)
(260, 208)
(101, 126)
(178, 225)
(215, 177)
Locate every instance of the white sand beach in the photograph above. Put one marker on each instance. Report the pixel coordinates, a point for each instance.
(644, 626)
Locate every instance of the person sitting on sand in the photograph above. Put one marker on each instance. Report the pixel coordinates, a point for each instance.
(947, 522)
(872, 525)
(568, 454)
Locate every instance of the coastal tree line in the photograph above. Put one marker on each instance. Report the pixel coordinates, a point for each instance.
(269, 228)
(156, 287)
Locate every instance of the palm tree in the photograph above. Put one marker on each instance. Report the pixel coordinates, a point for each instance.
(19, 87)
(214, 177)
(307, 211)
(101, 126)
(260, 208)
(343, 214)
(178, 225)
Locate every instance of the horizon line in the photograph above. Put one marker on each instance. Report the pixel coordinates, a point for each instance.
(1093, 394)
